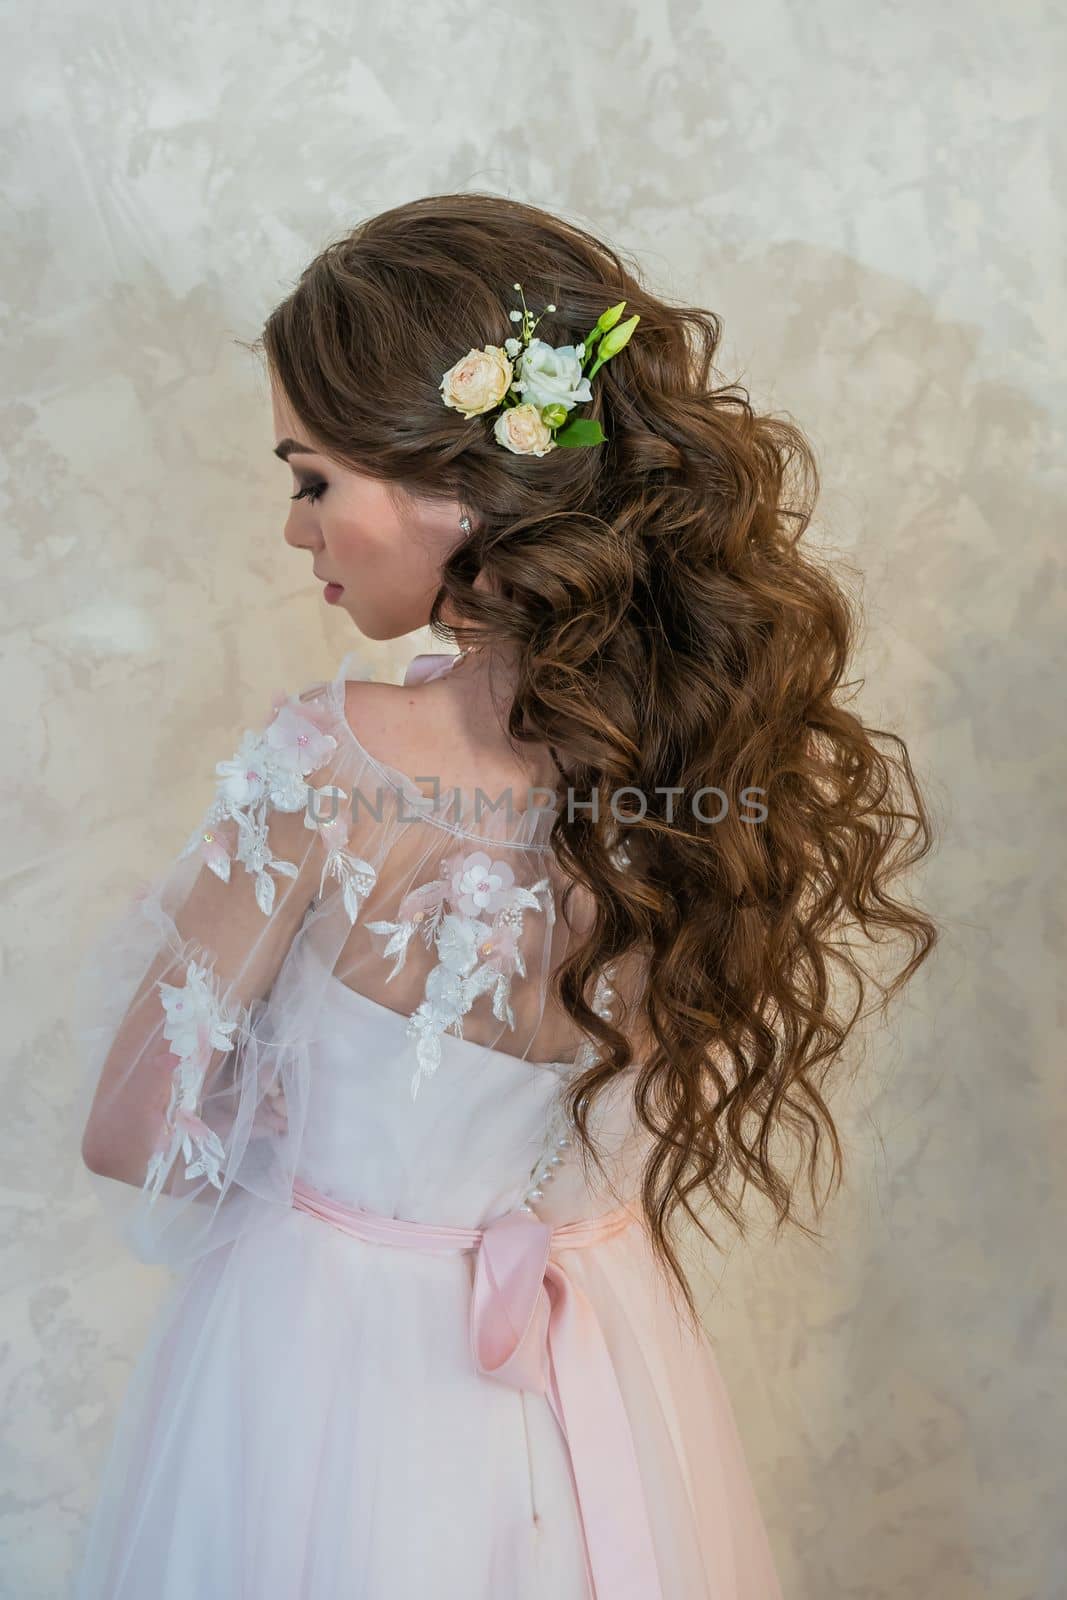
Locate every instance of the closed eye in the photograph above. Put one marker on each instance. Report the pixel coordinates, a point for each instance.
(310, 492)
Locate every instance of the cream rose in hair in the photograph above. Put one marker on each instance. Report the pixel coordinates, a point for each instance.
(548, 380)
(522, 430)
(478, 381)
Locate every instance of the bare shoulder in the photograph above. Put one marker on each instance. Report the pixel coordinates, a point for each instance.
(438, 729)
(409, 727)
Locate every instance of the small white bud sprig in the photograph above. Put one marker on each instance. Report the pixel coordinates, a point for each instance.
(536, 385)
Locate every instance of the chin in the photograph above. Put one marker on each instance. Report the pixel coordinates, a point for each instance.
(382, 632)
(368, 629)
(352, 612)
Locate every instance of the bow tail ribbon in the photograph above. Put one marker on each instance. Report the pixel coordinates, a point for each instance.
(533, 1328)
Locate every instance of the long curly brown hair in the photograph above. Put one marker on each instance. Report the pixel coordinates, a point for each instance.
(672, 634)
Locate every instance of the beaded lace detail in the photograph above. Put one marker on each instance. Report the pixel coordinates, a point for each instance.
(473, 913)
(269, 771)
(197, 1025)
(558, 1139)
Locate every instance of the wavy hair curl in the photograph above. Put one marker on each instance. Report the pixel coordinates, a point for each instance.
(672, 634)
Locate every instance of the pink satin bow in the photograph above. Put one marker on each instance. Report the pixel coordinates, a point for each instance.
(533, 1328)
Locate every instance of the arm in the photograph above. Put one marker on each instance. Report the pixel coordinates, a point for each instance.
(221, 929)
(199, 953)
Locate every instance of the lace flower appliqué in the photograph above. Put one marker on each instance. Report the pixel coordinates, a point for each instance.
(196, 1026)
(473, 913)
(270, 771)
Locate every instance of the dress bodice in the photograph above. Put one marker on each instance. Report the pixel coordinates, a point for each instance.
(482, 1133)
(347, 980)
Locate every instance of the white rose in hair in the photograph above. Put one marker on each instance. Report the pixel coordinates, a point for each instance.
(548, 376)
(521, 430)
(478, 381)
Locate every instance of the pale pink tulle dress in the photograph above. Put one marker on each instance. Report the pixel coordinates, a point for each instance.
(459, 1411)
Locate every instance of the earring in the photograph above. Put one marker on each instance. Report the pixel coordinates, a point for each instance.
(465, 524)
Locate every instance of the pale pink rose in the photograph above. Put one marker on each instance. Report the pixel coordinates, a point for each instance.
(500, 950)
(481, 884)
(521, 430)
(299, 740)
(478, 381)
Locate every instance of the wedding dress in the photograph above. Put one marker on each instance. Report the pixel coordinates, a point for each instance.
(413, 1345)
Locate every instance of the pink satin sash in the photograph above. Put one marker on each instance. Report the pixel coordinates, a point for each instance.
(532, 1327)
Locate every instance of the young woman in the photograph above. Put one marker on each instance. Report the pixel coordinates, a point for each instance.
(465, 993)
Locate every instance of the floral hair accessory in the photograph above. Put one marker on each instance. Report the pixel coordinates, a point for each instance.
(551, 381)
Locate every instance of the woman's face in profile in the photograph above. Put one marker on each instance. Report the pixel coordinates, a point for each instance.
(376, 561)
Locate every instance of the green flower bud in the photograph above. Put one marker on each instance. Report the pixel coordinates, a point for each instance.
(553, 416)
(607, 319)
(612, 343)
(619, 337)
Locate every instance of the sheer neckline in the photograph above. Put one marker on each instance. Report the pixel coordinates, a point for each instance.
(531, 823)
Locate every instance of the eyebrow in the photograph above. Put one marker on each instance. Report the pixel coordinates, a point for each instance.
(287, 446)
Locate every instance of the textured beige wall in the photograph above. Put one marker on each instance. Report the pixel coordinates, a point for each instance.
(866, 195)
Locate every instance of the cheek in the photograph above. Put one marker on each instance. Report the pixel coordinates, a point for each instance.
(356, 550)
(376, 555)
(348, 546)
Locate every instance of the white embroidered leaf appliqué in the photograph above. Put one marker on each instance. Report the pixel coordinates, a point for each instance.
(356, 876)
(268, 772)
(473, 914)
(196, 1026)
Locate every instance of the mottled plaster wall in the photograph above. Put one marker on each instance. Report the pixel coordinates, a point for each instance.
(868, 197)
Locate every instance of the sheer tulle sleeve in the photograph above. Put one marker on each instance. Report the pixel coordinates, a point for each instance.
(191, 1031)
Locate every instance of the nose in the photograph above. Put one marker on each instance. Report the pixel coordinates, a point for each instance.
(301, 532)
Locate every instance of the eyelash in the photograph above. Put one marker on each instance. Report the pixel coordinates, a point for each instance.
(310, 492)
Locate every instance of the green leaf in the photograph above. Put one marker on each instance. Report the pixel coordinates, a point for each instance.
(583, 430)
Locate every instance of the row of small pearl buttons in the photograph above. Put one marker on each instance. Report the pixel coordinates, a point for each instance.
(546, 1166)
